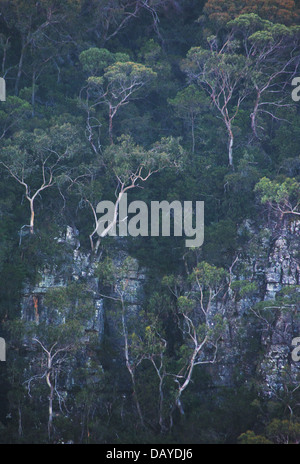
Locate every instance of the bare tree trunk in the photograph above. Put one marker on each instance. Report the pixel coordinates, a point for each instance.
(161, 402)
(110, 127)
(51, 394)
(230, 140)
(188, 378)
(50, 418)
(230, 149)
(137, 404)
(31, 216)
(228, 123)
(254, 113)
(129, 367)
(161, 376)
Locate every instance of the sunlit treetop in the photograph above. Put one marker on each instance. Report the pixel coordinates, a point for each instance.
(277, 11)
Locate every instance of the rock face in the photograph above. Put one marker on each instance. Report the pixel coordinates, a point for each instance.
(272, 263)
(274, 266)
(78, 265)
(283, 266)
(282, 273)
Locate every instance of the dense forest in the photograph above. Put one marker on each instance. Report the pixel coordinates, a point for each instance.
(137, 338)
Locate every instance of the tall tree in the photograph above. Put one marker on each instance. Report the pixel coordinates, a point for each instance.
(128, 165)
(201, 323)
(36, 161)
(224, 75)
(116, 87)
(281, 197)
(272, 53)
(69, 310)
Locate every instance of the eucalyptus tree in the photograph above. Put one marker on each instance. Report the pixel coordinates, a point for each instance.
(223, 73)
(57, 346)
(200, 314)
(128, 166)
(12, 115)
(120, 81)
(272, 53)
(125, 319)
(37, 161)
(255, 61)
(69, 310)
(281, 197)
(195, 304)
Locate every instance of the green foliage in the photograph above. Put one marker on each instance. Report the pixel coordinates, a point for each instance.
(249, 438)
(126, 157)
(283, 431)
(278, 192)
(121, 75)
(105, 272)
(277, 432)
(103, 96)
(95, 60)
(277, 11)
(207, 274)
(244, 288)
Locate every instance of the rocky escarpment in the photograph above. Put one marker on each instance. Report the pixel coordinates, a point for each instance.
(79, 266)
(282, 274)
(76, 265)
(258, 339)
(263, 322)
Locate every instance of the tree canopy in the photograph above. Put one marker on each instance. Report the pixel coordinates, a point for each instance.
(126, 337)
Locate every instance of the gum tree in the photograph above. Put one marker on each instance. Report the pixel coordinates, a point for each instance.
(195, 308)
(12, 114)
(119, 81)
(200, 322)
(281, 197)
(223, 74)
(129, 166)
(279, 11)
(53, 341)
(109, 17)
(272, 53)
(38, 161)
